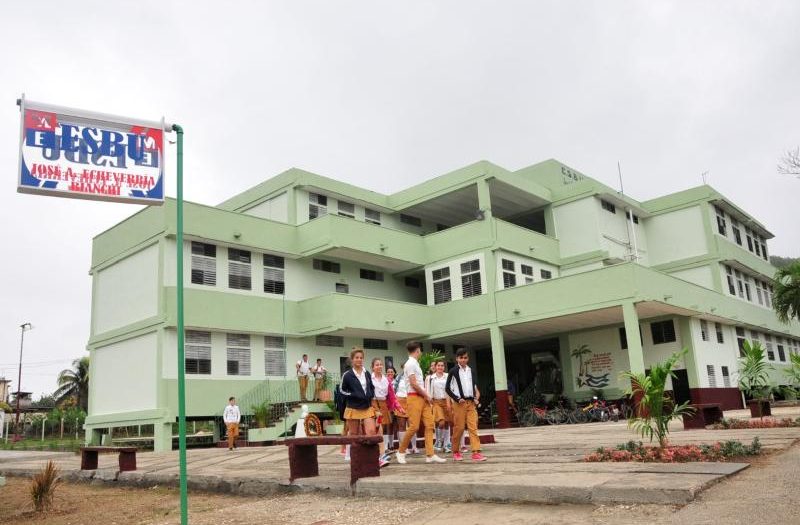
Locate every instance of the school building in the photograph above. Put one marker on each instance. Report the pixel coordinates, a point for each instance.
(551, 279)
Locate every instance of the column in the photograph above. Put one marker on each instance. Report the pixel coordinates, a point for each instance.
(484, 198)
(692, 372)
(162, 437)
(634, 336)
(500, 378)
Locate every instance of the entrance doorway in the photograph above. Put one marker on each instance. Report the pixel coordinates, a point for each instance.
(680, 386)
(532, 364)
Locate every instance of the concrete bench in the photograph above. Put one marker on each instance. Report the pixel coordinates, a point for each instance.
(704, 414)
(364, 452)
(127, 457)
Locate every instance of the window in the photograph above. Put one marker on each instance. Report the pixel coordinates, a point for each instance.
(411, 220)
(740, 339)
(781, 352)
(712, 376)
(608, 206)
(412, 282)
(508, 265)
(726, 377)
(274, 356)
(274, 274)
(747, 287)
(526, 270)
(721, 226)
(327, 266)
(442, 292)
(758, 293)
(238, 351)
(737, 234)
(663, 332)
(731, 287)
(342, 288)
(756, 245)
(703, 330)
(546, 274)
(376, 344)
(239, 269)
(317, 205)
(764, 249)
(204, 264)
(635, 217)
(437, 347)
(371, 275)
(372, 216)
(471, 278)
(720, 336)
(623, 338)
(768, 344)
(739, 283)
(330, 340)
(347, 209)
(509, 280)
(197, 357)
(768, 294)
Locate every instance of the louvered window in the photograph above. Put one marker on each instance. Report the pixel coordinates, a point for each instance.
(726, 377)
(704, 330)
(509, 280)
(546, 274)
(635, 217)
(758, 293)
(471, 278)
(204, 264)
(508, 265)
(238, 352)
(442, 292)
(371, 275)
(720, 335)
(768, 343)
(721, 226)
(372, 216)
(274, 356)
(317, 205)
(768, 294)
(764, 249)
(274, 277)
(526, 270)
(739, 283)
(737, 234)
(712, 376)
(608, 206)
(376, 344)
(327, 266)
(342, 288)
(347, 209)
(197, 352)
(663, 332)
(781, 352)
(729, 275)
(411, 220)
(239, 269)
(740, 339)
(330, 340)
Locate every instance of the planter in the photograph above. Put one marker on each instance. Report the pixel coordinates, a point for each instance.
(334, 429)
(759, 408)
(258, 434)
(325, 396)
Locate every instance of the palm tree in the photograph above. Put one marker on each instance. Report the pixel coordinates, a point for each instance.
(74, 382)
(579, 353)
(786, 298)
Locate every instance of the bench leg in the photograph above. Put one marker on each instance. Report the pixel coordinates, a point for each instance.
(303, 462)
(364, 461)
(127, 461)
(88, 460)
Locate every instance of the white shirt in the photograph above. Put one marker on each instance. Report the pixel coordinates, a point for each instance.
(319, 371)
(401, 388)
(381, 387)
(361, 378)
(437, 385)
(465, 375)
(412, 368)
(304, 368)
(231, 414)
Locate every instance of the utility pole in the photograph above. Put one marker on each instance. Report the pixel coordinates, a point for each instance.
(23, 327)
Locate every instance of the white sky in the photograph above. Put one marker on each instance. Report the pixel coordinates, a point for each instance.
(386, 95)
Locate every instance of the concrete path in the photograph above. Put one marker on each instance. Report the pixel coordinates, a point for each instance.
(539, 465)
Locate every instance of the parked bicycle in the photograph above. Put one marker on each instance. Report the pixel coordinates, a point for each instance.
(597, 410)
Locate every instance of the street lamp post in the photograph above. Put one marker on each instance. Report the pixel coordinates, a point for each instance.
(23, 327)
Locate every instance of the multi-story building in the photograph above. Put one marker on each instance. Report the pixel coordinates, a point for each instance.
(551, 279)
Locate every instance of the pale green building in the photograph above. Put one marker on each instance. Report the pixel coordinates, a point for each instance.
(523, 268)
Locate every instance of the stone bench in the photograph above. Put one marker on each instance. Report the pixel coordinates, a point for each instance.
(704, 414)
(364, 453)
(127, 457)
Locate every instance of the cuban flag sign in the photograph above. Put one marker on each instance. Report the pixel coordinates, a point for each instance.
(73, 153)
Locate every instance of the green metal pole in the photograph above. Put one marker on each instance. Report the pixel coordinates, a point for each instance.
(181, 361)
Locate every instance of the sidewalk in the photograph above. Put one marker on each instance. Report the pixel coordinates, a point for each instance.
(536, 465)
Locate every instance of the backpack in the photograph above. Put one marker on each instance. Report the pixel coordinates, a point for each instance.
(338, 401)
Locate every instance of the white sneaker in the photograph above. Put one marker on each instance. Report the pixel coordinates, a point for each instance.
(401, 458)
(435, 459)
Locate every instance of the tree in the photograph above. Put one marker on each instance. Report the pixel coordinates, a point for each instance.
(74, 382)
(786, 297)
(790, 163)
(579, 353)
(754, 371)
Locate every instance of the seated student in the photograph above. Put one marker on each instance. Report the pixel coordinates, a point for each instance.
(463, 391)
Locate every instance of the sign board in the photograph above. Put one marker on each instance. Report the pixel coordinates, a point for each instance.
(79, 154)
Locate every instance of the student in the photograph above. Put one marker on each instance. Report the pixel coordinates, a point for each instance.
(358, 391)
(384, 403)
(231, 416)
(319, 372)
(401, 414)
(303, 369)
(419, 407)
(463, 391)
(436, 385)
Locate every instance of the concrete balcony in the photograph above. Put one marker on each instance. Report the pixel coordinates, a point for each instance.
(729, 251)
(527, 242)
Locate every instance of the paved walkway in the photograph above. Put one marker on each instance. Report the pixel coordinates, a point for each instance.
(541, 464)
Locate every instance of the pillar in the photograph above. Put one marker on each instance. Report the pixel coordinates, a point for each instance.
(690, 360)
(484, 198)
(93, 436)
(162, 437)
(500, 378)
(634, 336)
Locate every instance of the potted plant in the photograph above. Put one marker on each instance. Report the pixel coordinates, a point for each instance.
(336, 426)
(326, 394)
(793, 376)
(754, 378)
(261, 415)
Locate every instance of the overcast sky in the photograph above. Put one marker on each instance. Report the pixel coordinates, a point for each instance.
(386, 95)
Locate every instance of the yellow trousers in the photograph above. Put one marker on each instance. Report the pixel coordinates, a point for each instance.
(465, 414)
(233, 433)
(419, 411)
(303, 380)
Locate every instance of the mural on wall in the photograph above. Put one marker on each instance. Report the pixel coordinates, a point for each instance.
(594, 369)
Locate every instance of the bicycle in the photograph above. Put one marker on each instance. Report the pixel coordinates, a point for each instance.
(532, 416)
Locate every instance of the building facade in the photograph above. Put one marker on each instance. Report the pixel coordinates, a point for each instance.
(552, 280)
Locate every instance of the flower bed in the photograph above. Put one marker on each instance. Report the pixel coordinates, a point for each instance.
(767, 422)
(633, 451)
